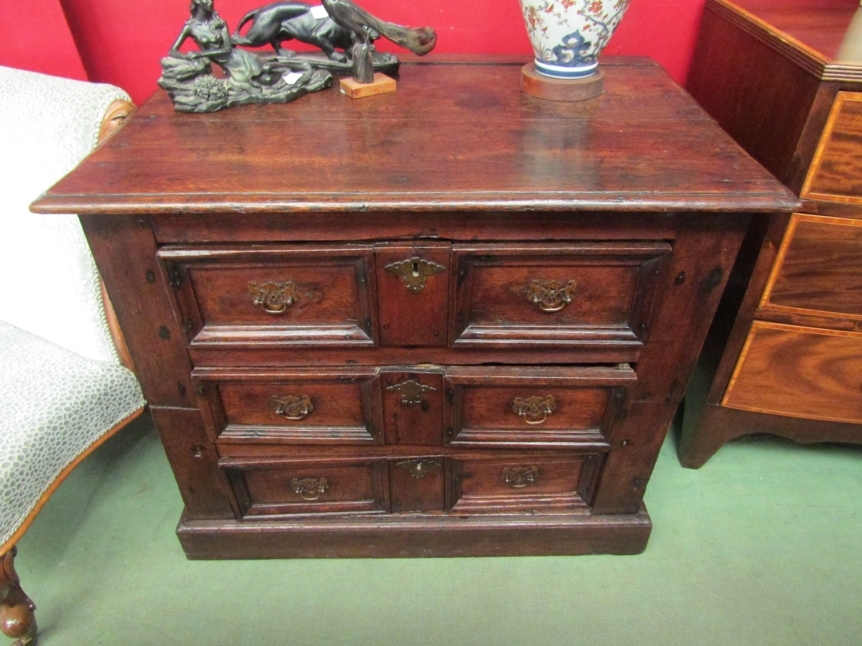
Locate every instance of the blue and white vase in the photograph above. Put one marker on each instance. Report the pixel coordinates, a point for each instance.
(568, 35)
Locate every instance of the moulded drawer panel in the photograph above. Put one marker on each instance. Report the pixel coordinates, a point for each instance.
(531, 407)
(799, 372)
(554, 294)
(285, 295)
(301, 406)
(819, 268)
(525, 483)
(268, 488)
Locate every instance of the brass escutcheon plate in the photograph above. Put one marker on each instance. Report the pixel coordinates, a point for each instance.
(418, 469)
(414, 272)
(411, 392)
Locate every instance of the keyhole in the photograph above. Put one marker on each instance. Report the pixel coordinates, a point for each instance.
(415, 268)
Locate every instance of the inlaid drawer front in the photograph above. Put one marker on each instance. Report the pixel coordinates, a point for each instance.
(486, 484)
(836, 172)
(799, 372)
(554, 294)
(285, 295)
(533, 406)
(302, 406)
(818, 269)
(267, 488)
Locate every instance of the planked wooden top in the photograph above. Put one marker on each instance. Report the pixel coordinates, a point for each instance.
(459, 137)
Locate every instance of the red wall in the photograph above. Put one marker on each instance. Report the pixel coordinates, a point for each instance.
(34, 35)
(121, 41)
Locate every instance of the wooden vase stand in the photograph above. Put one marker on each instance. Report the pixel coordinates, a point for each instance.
(551, 89)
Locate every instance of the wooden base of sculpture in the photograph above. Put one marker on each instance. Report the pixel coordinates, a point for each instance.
(16, 609)
(545, 87)
(380, 85)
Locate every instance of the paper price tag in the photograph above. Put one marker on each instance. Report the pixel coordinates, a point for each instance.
(291, 77)
(318, 12)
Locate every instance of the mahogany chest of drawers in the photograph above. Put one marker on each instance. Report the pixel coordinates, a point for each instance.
(453, 320)
(785, 79)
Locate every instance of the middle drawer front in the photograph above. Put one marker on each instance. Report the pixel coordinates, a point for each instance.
(482, 407)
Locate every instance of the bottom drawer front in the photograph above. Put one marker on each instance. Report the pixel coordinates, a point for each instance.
(522, 484)
(799, 372)
(286, 488)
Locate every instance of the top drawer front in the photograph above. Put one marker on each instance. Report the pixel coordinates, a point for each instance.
(836, 172)
(819, 268)
(556, 294)
(309, 296)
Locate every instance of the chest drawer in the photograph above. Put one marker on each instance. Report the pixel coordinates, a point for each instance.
(266, 295)
(532, 407)
(799, 372)
(296, 406)
(836, 172)
(554, 294)
(271, 488)
(540, 484)
(461, 483)
(818, 269)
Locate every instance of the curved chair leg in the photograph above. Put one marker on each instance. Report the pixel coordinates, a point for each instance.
(16, 609)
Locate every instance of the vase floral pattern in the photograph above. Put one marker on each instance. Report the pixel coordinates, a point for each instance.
(568, 35)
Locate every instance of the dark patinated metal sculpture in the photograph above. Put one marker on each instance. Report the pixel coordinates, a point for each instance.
(343, 31)
(248, 78)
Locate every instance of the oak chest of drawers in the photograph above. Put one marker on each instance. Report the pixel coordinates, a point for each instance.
(785, 79)
(453, 320)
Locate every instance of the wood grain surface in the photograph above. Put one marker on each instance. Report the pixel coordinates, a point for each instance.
(799, 372)
(621, 217)
(492, 147)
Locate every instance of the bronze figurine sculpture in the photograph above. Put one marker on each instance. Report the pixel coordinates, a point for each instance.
(335, 25)
(248, 78)
(343, 31)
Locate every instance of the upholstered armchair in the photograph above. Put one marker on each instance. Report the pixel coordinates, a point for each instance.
(66, 385)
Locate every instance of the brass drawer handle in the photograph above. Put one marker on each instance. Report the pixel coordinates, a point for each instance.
(414, 272)
(411, 392)
(551, 295)
(309, 488)
(295, 407)
(418, 469)
(534, 410)
(275, 298)
(520, 477)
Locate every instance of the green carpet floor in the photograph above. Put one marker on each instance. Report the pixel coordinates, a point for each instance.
(763, 545)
